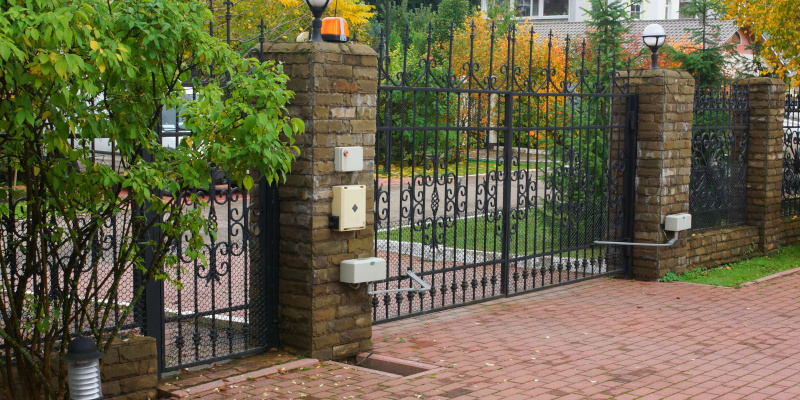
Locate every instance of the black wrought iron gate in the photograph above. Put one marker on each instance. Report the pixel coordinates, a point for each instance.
(493, 180)
(227, 308)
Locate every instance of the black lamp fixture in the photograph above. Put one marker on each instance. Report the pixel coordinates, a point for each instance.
(654, 37)
(317, 8)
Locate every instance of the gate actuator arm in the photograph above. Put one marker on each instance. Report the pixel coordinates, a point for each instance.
(425, 286)
(670, 243)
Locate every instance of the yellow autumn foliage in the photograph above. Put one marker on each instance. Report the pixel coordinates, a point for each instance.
(353, 11)
(777, 23)
(283, 19)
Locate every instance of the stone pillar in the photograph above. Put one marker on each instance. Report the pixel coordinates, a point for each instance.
(765, 159)
(335, 89)
(666, 102)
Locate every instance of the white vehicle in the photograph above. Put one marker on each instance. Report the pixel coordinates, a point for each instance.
(172, 131)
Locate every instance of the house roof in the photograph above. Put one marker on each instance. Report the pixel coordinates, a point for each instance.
(675, 28)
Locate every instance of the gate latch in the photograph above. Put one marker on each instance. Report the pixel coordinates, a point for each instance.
(425, 286)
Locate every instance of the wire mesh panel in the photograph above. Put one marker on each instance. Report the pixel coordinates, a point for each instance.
(790, 196)
(497, 166)
(718, 187)
(95, 280)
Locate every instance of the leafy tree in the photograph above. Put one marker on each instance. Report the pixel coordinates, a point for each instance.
(75, 72)
(707, 58)
(776, 23)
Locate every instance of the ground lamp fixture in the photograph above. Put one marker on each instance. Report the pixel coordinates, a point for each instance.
(317, 8)
(83, 368)
(653, 36)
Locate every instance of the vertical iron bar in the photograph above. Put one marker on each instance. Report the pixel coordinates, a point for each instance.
(154, 289)
(270, 247)
(628, 186)
(386, 29)
(228, 5)
(507, 151)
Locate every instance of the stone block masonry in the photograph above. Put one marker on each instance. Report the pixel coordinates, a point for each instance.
(335, 89)
(716, 247)
(129, 369)
(666, 100)
(790, 231)
(765, 159)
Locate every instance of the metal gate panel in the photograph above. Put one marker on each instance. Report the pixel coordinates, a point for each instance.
(498, 181)
(227, 307)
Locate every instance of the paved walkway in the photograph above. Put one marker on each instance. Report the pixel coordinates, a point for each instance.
(599, 339)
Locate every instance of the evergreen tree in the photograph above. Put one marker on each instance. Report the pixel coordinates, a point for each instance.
(707, 60)
(608, 34)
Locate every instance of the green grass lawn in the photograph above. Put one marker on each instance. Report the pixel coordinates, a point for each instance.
(733, 275)
(535, 231)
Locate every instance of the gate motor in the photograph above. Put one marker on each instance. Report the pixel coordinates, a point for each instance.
(371, 269)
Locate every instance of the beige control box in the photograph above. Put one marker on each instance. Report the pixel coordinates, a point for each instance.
(362, 270)
(349, 208)
(678, 222)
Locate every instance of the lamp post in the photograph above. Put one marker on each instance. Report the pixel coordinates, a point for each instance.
(317, 8)
(83, 368)
(654, 37)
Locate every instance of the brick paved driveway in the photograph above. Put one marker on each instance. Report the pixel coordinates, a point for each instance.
(599, 339)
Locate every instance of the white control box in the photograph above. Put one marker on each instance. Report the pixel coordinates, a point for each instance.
(678, 222)
(346, 159)
(349, 207)
(361, 270)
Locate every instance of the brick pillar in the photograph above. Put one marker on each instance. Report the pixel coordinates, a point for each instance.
(335, 89)
(765, 159)
(663, 165)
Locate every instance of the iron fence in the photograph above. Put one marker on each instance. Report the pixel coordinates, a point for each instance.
(790, 194)
(720, 131)
(499, 163)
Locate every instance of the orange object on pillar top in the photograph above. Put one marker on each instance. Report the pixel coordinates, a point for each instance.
(334, 29)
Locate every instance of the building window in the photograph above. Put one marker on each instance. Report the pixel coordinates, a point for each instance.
(543, 8)
(682, 10)
(636, 10)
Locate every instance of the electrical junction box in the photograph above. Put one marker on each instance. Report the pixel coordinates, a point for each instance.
(346, 159)
(349, 208)
(361, 270)
(678, 222)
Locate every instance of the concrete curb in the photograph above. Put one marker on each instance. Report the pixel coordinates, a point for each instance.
(233, 380)
(773, 276)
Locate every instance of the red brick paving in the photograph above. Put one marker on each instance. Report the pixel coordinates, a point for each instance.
(598, 339)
